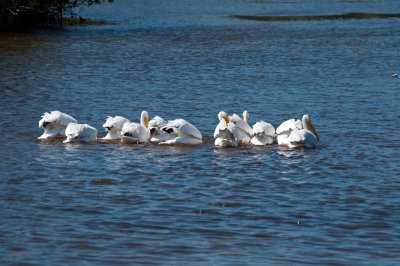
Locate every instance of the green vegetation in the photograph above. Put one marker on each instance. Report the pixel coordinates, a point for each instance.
(320, 17)
(17, 14)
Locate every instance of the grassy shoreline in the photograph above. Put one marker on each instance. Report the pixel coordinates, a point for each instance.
(319, 17)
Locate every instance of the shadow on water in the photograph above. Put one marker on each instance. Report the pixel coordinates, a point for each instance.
(319, 17)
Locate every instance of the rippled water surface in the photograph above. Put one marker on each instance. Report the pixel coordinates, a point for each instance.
(137, 204)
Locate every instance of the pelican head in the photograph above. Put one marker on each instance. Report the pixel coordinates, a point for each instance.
(44, 124)
(108, 124)
(54, 124)
(144, 119)
(307, 124)
(246, 116)
(224, 116)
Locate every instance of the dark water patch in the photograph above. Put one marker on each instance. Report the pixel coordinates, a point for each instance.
(351, 227)
(92, 212)
(178, 249)
(264, 236)
(234, 254)
(227, 204)
(82, 245)
(215, 233)
(46, 207)
(18, 180)
(340, 166)
(125, 199)
(207, 212)
(104, 181)
(37, 239)
(87, 22)
(131, 245)
(17, 249)
(354, 199)
(345, 16)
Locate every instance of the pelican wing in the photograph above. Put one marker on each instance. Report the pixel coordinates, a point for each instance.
(282, 139)
(157, 122)
(136, 131)
(223, 135)
(117, 122)
(221, 127)
(263, 128)
(239, 134)
(73, 130)
(183, 128)
(80, 132)
(289, 125)
(241, 124)
(302, 138)
(225, 139)
(109, 121)
(63, 119)
(44, 117)
(157, 134)
(56, 117)
(188, 129)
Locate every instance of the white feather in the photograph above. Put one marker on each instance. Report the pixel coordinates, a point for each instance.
(241, 129)
(80, 133)
(182, 132)
(54, 124)
(302, 138)
(113, 126)
(155, 127)
(135, 133)
(222, 134)
(297, 134)
(157, 122)
(264, 133)
(289, 125)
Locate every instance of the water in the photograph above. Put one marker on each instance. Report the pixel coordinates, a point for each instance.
(147, 204)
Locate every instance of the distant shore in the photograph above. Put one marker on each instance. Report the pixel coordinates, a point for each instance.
(10, 23)
(319, 17)
(21, 15)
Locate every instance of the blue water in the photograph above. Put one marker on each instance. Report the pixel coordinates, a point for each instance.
(115, 204)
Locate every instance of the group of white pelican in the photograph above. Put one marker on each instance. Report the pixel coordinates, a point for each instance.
(231, 131)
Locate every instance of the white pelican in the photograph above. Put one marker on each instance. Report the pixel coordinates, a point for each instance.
(297, 134)
(264, 133)
(182, 132)
(284, 130)
(113, 127)
(80, 133)
(240, 129)
(155, 127)
(222, 135)
(137, 133)
(54, 124)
